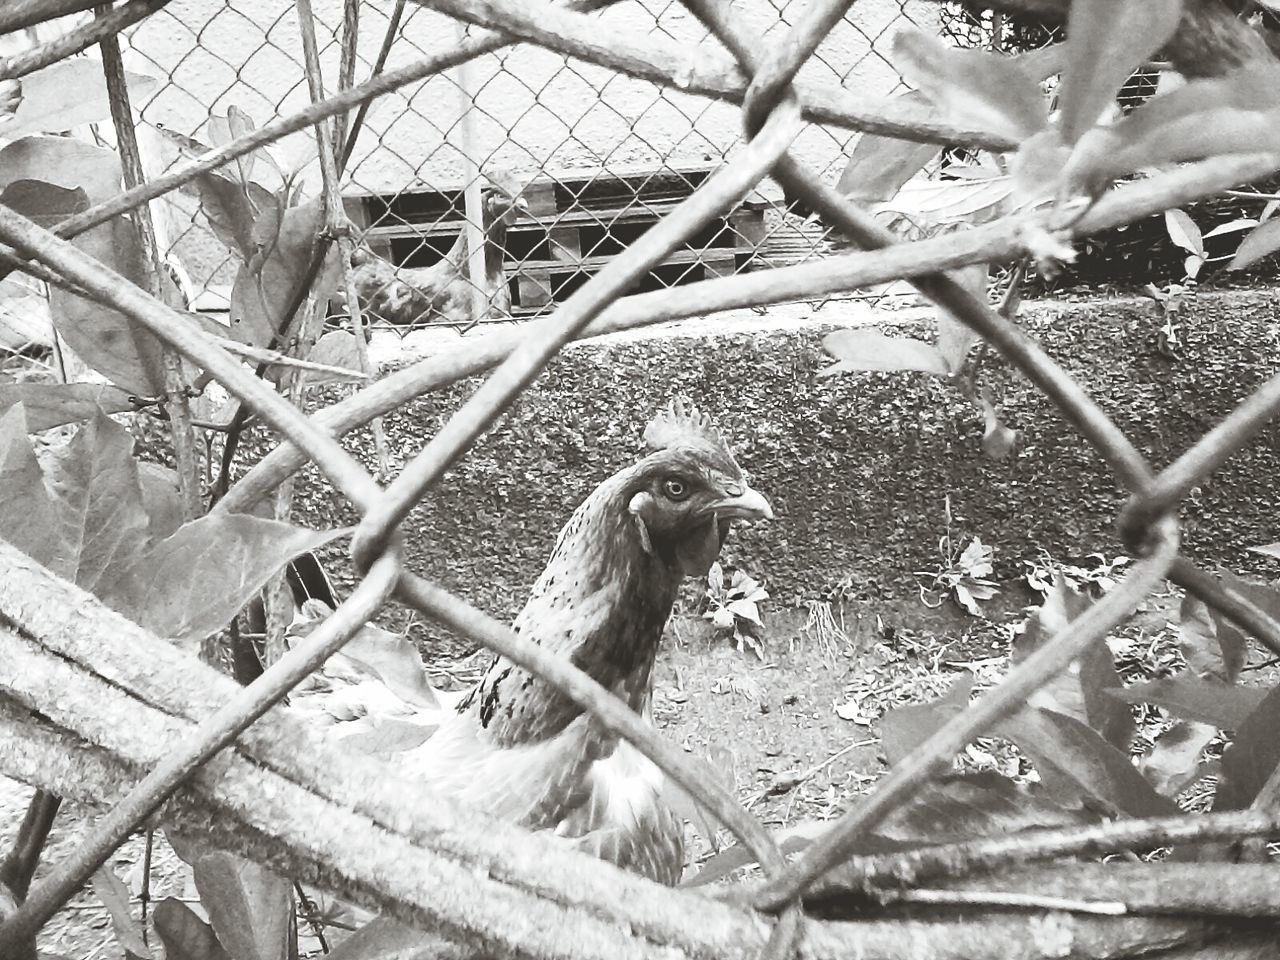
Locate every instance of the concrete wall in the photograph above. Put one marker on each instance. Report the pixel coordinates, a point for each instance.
(535, 110)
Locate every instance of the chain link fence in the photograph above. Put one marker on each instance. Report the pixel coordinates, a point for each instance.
(597, 157)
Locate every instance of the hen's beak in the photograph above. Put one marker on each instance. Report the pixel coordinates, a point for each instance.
(747, 505)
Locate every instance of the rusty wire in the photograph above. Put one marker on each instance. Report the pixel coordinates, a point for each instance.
(772, 105)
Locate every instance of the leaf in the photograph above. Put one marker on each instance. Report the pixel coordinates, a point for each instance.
(961, 807)
(951, 201)
(1106, 41)
(1262, 242)
(266, 282)
(1270, 549)
(385, 736)
(1184, 232)
(69, 94)
(64, 162)
(746, 610)
(1078, 691)
(114, 345)
(789, 840)
(1035, 169)
(975, 559)
(872, 350)
(249, 907)
(973, 88)
(954, 337)
(1233, 226)
(1174, 762)
(43, 203)
(386, 939)
(1233, 113)
(53, 404)
(209, 569)
(1199, 642)
(337, 348)
(1233, 643)
(1196, 698)
(1252, 756)
(232, 209)
(184, 935)
(998, 441)
(28, 519)
(395, 661)
(222, 130)
(721, 618)
(90, 519)
(902, 729)
(718, 769)
(879, 166)
(1074, 760)
(115, 897)
(161, 499)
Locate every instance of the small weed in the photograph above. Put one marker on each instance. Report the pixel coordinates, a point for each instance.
(1090, 579)
(733, 607)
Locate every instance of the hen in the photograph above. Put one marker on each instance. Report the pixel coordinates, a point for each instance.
(442, 292)
(517, 748)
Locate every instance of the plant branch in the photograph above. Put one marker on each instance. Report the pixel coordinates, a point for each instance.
(107, 24)
(177, 404)
(912, 867)
(19, 865)
(215, 733)
(20, 14)
(336, 222)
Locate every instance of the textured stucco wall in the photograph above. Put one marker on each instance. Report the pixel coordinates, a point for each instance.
(858, 467)
(535, 110)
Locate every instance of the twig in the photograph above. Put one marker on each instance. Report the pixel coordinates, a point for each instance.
(988, 898)
(19, 865)
(672, 64)
(19, 14)
(175, 386)
(104, 26)
(861, 873)
(274, 358)
(211, 736)
(346, 69)
(335, 217)
(723, 189)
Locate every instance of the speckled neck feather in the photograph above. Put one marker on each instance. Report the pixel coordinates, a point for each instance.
(602, 601)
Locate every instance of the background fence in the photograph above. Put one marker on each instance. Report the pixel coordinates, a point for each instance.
(599, 156)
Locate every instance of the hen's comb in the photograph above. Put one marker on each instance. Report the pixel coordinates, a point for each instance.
(681, 422)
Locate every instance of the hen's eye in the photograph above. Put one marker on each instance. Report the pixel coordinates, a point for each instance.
(675, 488)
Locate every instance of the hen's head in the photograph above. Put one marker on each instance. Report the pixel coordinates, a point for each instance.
(501, 205)
(685, 493)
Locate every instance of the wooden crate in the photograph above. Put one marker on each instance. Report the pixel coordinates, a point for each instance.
(576, 224)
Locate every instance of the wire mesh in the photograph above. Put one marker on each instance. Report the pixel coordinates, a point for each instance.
(598, 156)
(1150, 523)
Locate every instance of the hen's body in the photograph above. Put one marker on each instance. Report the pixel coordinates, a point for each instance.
(442, 292)
(519, 749)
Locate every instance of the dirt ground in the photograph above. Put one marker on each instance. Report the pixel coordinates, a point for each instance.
(795, 733)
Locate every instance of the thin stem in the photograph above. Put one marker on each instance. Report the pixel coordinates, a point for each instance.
(175, 386)
(335, 218)
(1236, 607)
